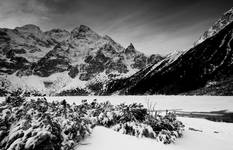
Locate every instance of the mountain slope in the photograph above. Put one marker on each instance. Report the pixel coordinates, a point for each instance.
(209, 61)
(58, 60)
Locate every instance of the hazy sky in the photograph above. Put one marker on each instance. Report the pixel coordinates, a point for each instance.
(153, 26)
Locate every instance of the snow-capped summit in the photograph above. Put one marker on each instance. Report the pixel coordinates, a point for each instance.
(84, 32)
(130, 50)
(131, 47)
(226, 19)
(84, 28)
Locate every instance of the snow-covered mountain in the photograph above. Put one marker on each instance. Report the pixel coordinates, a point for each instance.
(226, 19)
(208, 66)
(58, 60)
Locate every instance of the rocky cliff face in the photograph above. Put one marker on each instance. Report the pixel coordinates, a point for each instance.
(208, 64)
(57, 58)
(226, 19)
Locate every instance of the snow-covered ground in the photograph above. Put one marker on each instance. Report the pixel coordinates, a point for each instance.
(214, 136)
(208, 135)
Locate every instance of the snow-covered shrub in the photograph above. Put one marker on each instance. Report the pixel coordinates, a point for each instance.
(135, 129)
(38, 124)
(167, 127)
(135, 120)
(132, 112)
(107, 119)
(109, 115)
(167, 137)
(99, 113)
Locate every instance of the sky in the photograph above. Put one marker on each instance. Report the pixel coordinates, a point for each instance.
(153, 26)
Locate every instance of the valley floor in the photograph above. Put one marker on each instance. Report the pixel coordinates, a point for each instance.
(199, 134)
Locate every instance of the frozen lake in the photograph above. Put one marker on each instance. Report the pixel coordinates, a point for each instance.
(185, 103)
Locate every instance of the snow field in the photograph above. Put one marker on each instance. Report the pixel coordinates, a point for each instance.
(106, 139)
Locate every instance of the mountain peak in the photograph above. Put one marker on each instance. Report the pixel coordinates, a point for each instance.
(84, 32)
(29, 27)
(58, 35)
(225, 20)
(84, 28)
(130, 49)
(131, 46)
(229, 11)
(108, 38)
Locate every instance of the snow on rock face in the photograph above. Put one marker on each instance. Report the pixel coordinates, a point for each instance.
(58, 35)
(84, 54)
(130, 49)
(226, 19)
(29, 28)
(28, 42)
(84, 32)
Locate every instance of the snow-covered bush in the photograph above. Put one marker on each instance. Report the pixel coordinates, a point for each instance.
(135, 120)
(167, 127)
(133, 112)
(135, 129)
(39, 124)
(108, 115)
